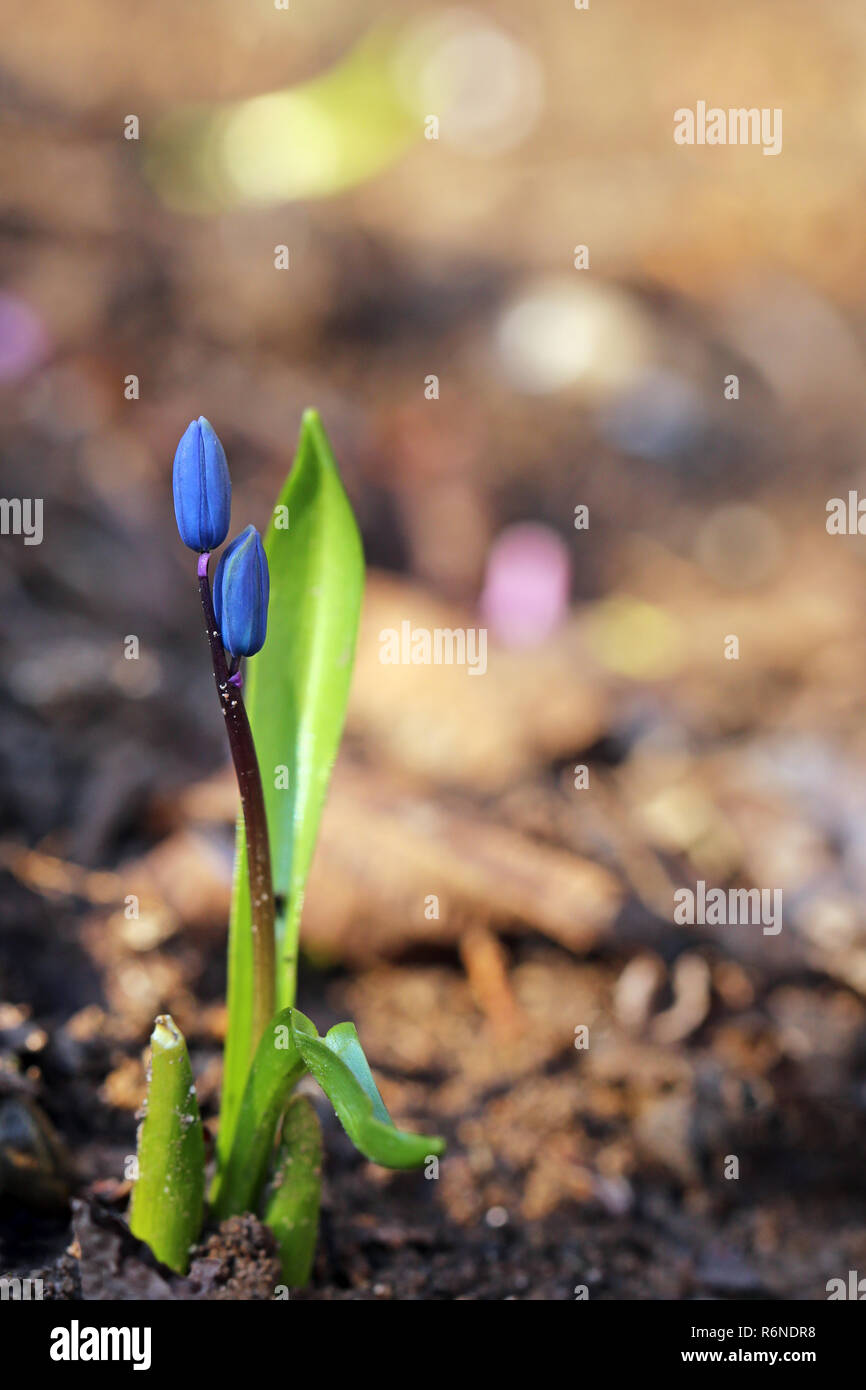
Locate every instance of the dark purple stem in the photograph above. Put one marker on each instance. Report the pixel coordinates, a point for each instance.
(246, 764)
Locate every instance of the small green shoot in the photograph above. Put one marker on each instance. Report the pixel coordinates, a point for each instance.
(168, 1197)
(292, 1210)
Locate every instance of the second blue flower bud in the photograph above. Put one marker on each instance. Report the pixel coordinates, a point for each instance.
(240, 594)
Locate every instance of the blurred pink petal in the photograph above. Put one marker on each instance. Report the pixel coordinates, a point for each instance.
(23, 339)
(526, 586)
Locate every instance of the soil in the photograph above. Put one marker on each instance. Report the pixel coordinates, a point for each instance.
(563, 1178)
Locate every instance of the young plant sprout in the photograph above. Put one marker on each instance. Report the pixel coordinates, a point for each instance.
(303, 585)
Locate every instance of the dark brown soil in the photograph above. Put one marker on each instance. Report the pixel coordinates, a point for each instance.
(516, 1211)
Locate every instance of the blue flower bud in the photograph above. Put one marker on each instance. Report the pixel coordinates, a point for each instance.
(240, 594)
(202, 488)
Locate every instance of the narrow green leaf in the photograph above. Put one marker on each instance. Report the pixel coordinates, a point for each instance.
(296, 694)
(236, 1054)
(292, 1210)
(276, 1068)
(365, 1120)
(298, 685)
(168, 1197)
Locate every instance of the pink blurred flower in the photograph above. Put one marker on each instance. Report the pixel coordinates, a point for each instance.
(23, 338)
(526, 585)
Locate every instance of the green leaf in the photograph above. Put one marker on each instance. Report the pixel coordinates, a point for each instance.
(292, 1211)
(298, 685)
(168, 1197)
(277, 1067)
(344, 1042)
(342, 1071)
(296, 694)
(236, 1054)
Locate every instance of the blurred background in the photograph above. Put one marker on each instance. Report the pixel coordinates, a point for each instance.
(429, 176)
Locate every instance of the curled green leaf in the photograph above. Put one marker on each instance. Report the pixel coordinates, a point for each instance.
(341, 1069)
(344, 1042)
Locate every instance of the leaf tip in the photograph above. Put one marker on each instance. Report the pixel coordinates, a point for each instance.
(316, 436)
(166, 1033)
